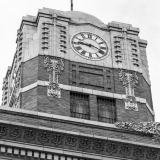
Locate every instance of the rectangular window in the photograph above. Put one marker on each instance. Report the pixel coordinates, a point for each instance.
(79, 105)
(106, 110)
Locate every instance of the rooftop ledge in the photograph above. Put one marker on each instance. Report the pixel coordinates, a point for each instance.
(144, 128)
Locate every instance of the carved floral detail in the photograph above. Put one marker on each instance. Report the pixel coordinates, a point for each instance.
(151, 154)
(112, 148)
(98, 146)
(3, 130)
(145, 127)
(43, 137)
(17, 80)
(29, 135)
(125, 150)
(57, 139)
(85, 143)
(138, 152)
(15, 132)
(71, 141)
(129, 80)
(54, 67)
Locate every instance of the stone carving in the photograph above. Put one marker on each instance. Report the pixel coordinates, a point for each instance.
(145, 127)
(54, 67)
(43, 137)
(125, 150)
(15, 132)
(151, 154)
(138, 152)
(57, 139)
(85, 143)
(112, 148)
(98, 146)
(29, 135)
(71, 141)
(3, 130)
(17, 81)
(130, 80)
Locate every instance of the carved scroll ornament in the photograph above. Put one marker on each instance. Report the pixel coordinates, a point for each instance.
(129, 80)
(144, 127)
(54, 67)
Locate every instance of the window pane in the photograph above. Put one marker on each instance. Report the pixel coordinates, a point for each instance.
(79, 105)
(106, 110)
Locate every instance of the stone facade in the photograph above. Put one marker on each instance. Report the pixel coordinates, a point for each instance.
(58, 104)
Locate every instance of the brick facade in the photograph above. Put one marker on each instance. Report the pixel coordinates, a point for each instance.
(85, 76)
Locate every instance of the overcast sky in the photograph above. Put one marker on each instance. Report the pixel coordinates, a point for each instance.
(143, 14)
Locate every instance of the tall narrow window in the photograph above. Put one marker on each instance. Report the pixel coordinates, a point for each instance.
(106, 110)
(79, 105)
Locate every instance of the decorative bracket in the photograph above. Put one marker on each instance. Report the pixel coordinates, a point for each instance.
(54, 67)
(130, 80)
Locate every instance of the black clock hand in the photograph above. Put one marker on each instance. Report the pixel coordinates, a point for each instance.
(102, 52)
(90, 45)
(86, 44)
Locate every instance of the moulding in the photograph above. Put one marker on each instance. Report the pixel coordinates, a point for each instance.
(31, 139)
(69, 120)
(88, 91)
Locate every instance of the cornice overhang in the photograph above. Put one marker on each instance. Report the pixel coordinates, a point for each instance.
(64, 119)
(40, 139)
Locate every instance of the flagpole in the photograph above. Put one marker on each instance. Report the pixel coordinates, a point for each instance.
(71, 5)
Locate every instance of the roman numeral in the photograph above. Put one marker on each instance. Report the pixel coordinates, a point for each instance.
(97, 55)
(90, 55)
(101, 43)
(90, 36)
(78, 48)
(96, 38)
(101, 52)
(83, 52)
(78, 38)
(76, 43)
(83, 36)
(103, 48)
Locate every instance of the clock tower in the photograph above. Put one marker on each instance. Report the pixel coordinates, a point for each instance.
(78, 89)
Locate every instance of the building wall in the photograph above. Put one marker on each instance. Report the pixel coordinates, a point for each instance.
(83, 76)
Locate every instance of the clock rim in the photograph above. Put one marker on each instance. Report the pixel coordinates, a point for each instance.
(108, 52)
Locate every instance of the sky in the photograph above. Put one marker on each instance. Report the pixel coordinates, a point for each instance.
(143, 14)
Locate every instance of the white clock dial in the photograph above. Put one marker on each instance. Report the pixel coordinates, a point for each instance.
(89, 45)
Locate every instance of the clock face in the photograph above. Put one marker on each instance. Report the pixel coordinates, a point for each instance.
(89, 45)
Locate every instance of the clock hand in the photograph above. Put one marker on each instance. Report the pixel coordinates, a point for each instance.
(90, 45)
(102, 52)
(86, 44)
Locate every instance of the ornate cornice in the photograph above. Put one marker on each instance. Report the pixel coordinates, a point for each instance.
(75, 143)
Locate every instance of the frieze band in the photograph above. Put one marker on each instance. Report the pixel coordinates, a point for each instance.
(78, 143)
